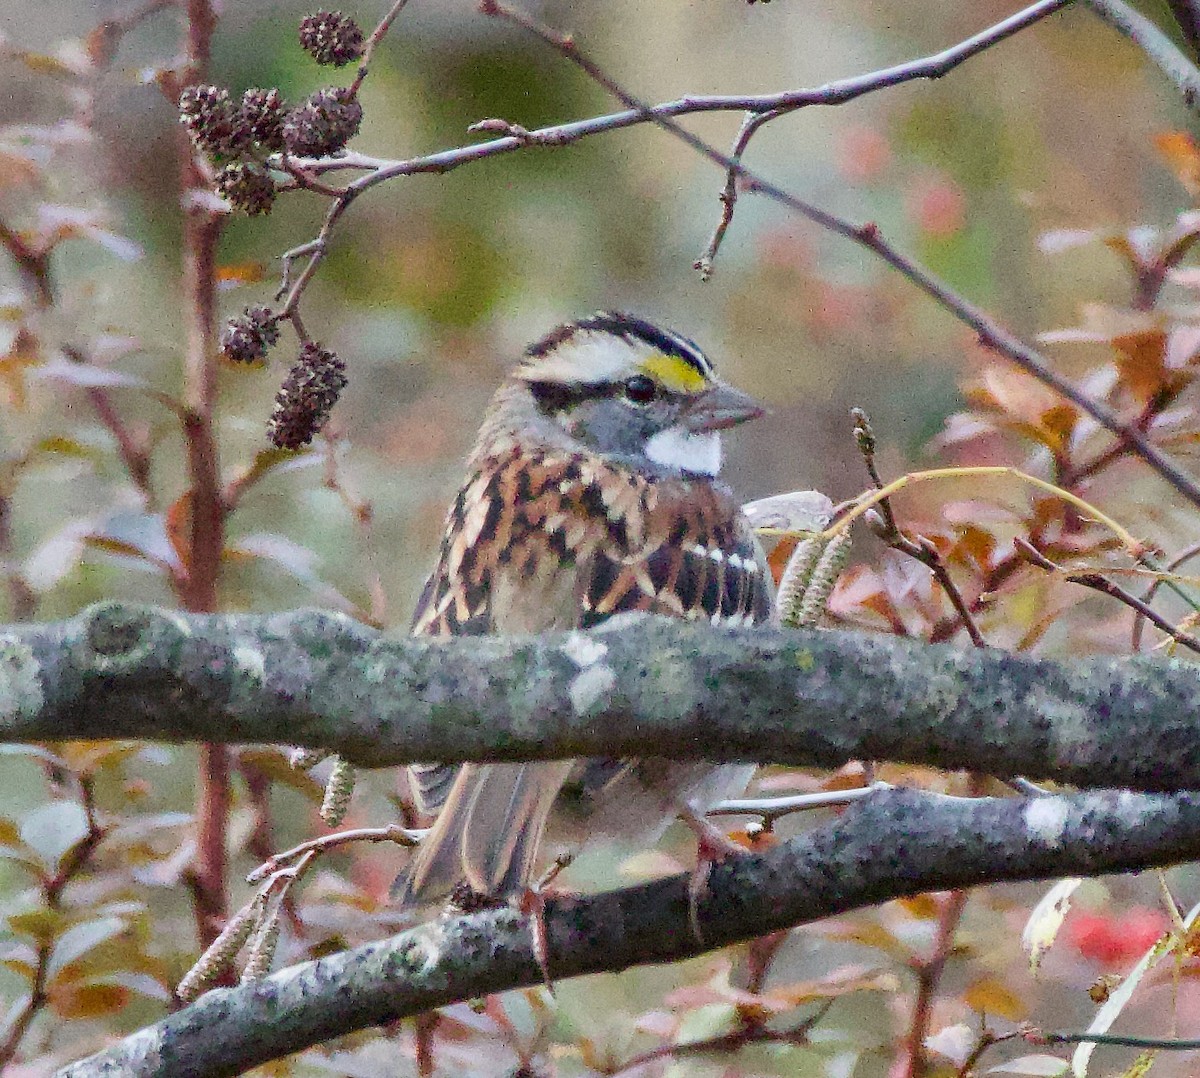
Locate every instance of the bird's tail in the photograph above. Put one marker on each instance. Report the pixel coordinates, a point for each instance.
(487, 834)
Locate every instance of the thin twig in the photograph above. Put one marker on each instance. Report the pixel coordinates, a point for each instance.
(72, 863)
(728, 196)
(770, 809)
(316, 249)
(868, 235)
(1166, 1044)
(32, 263)
(1139, 621)
(921, 548)
(838, 92)
(134, 455)
(205, 519)
(987, 1039)
(759, 107)
(748, 1033)
(377, 35)
(391, 833)
(1106, 587)
(1159, 48)
(928, 972)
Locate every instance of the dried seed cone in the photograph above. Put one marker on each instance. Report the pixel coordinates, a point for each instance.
(211, 120)
(262, 950)
(338, 791)
(795, 579)
(248, 187)
(306, 398)
(824, 577)
(330, 37)
(261, 115)
(324, 123)
(220, 953)
(247, 338)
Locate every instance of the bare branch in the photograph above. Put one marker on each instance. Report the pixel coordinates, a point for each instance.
(1159, 48)
(377, 35)
(897, 843)
(1106, 587)
(646, 687)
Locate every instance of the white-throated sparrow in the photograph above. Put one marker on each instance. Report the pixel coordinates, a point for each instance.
(592, 490)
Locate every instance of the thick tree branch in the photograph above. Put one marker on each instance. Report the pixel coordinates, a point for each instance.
(640, 687)
(897, 843)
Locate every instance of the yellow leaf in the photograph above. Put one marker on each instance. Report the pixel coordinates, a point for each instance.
(236, 273)
(924, 907)
(41, 924)
(990, 996)
(1182, 156)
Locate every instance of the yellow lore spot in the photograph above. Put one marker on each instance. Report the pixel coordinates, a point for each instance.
(674, 373)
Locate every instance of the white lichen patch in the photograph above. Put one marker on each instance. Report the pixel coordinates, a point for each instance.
(20, 689)
(584, 650)
(590, 686)
(1135, 808)
(377, 671)
(1072, 725)
(250, 663)
(1046, 819)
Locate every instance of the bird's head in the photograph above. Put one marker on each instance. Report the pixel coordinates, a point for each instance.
(624, 388)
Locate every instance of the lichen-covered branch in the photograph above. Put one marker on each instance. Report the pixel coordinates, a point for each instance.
(638, 687)
(895, 843)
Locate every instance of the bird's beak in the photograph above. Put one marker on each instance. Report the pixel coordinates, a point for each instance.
(719, 408)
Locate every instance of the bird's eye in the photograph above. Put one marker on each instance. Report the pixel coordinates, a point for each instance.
(640, 389)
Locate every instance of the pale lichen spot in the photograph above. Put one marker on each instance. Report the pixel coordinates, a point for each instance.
(584, 650)
(250, 662)
(376, 672)
(20, 689)
(590, 686)
(1046, 819)
(1072, 725)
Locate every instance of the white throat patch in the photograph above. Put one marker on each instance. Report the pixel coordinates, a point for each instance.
(684, 451)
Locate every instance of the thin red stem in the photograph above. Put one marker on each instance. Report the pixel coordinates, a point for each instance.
(205, 509)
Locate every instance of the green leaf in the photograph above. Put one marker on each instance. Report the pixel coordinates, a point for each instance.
(76, 941)
(53, 829)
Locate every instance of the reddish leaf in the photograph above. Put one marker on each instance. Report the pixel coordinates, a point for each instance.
(1182, 156)
(88, 999)
(178, 524)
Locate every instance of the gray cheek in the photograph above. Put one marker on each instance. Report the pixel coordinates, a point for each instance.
(611, 427)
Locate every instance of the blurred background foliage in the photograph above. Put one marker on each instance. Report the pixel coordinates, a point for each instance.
(433, 286)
